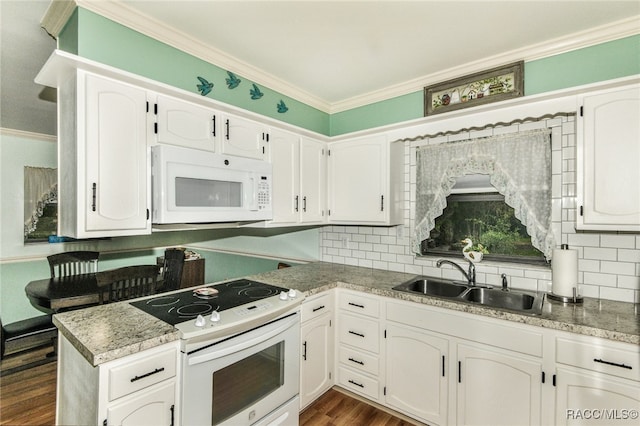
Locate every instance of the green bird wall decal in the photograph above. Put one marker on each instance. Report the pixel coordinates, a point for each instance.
(233, 81)
(205, 87)
(282, 108)
(255, 92)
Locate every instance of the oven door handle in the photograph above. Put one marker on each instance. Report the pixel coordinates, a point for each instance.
(244, 344)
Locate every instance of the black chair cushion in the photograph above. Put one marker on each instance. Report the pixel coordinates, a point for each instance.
(28, 327)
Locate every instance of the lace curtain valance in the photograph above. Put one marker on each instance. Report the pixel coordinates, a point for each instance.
(40, 189)
(519, 166)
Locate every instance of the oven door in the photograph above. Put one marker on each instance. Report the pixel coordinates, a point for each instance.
(244, 378)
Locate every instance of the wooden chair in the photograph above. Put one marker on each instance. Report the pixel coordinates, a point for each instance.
(73, 263)
(172, 269)
(128, 282)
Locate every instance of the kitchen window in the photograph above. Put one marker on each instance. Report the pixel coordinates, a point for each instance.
(483, 218)
(517, 166)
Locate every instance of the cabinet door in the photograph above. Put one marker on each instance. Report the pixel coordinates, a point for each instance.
(608, 163)
(116, 163)
(583, 397)
(185, 124)
(497, 388)
(313, 172)
(244, 138)
(416, 373)
(153, 407)
(357, 173)
(316, 358)
(285, 153)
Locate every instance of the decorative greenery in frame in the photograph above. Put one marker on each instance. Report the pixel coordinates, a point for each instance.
(480, 88)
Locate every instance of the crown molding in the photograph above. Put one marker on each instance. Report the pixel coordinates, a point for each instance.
(57, 15)
(131, 18)
(591, 37)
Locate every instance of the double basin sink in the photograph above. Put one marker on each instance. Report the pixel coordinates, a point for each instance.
(512, 300)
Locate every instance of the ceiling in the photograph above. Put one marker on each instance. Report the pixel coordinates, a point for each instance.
(329, 54)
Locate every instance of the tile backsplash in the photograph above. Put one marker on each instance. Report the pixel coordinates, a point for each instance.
(608, 263)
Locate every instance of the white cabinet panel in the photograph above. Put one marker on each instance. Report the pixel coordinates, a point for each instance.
(590, 398)
(497, 387)
(185, 124)
(417, 377)
(608, 161)
(151, 407)
(111, 193)
(244, 138)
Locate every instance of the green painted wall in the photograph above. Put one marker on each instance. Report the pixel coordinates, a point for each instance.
(105, 41)
(615, 59)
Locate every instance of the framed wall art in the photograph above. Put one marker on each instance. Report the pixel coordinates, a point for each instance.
(480, 88)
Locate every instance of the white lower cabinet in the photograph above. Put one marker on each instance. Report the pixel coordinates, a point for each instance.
(597, 381)
(154, 406)
(497, 387)
(444, 367)
(417, 373)
(359, 337)
(138, 389)
(317, 347)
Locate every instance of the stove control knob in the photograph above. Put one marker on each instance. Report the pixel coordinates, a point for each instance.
(215, 316)
(292, 294)
(200, 322)
(283, 295)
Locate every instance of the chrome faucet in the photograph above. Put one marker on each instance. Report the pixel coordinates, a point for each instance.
(470, 275)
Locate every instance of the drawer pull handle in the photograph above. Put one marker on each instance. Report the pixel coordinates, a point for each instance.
(318, 308)
(356, 383)
(356, 361)
(356, 305)
(615, 364)
(356, 334)
(156, 371)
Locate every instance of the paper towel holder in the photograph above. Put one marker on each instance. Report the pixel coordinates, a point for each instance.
(575, 299)
(566, 299)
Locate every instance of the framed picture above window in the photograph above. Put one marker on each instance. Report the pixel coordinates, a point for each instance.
(493, 85)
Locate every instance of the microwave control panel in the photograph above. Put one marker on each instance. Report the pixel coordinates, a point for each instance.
(264, 193)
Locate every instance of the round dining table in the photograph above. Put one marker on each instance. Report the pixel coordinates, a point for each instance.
(51, 295)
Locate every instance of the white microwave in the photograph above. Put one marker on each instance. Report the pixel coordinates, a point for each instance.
(194, 186)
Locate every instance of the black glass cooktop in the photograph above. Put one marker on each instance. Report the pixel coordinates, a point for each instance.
(187, 305)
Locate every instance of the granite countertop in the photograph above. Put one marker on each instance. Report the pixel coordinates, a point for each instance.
(107, 332)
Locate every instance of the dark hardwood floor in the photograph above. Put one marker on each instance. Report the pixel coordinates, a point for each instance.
(28, 397)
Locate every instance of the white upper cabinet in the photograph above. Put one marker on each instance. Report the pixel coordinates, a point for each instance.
(244, 138)
(105, 187)
(366, 184)
(299, 176)
(313, 177)
(182, 123)
(608, 160)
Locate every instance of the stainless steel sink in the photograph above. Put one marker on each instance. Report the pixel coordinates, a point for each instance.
(512, 300)
(432, 287)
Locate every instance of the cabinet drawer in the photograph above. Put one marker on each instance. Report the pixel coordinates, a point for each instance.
(605, 357)
(316, 306)
(137, 375)
(359, 360)
(359, 332)
(358, 383)
(357, 303)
